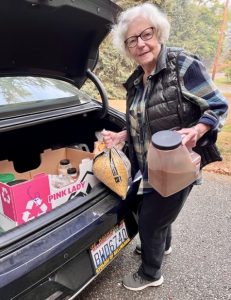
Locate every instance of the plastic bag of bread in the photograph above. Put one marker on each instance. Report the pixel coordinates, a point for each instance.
(113, 168)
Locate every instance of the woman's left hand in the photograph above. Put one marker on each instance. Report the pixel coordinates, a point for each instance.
(190, 136)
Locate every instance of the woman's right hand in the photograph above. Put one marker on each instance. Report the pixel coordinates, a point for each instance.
(111, 138)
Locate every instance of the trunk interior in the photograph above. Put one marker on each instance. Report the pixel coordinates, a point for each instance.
(23, 146)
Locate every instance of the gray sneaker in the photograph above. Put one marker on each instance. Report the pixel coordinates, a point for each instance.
(135, 282)
(138, 249)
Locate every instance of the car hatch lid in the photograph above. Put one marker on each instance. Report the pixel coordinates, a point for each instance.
(53, 38)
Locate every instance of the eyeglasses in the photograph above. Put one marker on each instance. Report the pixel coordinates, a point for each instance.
(145, 35)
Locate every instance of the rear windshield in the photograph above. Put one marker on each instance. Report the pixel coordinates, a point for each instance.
(15, 91)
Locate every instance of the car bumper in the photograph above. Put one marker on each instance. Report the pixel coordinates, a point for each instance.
(60, 261)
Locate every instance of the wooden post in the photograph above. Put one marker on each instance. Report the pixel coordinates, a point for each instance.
(220, 40)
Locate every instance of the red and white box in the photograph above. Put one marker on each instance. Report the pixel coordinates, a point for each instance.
(27, 200)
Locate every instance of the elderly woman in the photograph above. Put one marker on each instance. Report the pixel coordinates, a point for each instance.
(170, 89)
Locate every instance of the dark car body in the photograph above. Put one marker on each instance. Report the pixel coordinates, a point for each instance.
(48, 50)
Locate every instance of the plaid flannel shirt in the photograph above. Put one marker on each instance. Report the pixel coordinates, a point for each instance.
(197, 84)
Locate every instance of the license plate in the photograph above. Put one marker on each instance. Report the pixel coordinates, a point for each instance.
(109, 246)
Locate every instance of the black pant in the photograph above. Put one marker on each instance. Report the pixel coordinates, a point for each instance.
(155, 218)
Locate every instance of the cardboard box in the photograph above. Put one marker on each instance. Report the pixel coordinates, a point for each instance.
(35, 196)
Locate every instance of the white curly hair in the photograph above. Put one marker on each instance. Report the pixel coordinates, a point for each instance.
(150, 12)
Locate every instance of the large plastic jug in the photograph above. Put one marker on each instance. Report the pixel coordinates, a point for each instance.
(171, 166)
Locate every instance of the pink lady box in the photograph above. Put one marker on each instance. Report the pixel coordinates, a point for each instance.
(37, 194)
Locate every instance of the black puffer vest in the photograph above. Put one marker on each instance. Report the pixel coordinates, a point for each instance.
(166, 107)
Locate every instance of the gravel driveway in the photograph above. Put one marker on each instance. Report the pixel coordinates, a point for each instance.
(200, 265)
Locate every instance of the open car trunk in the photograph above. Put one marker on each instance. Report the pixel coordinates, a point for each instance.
(36, 149)
(54, 240)
(48, 252)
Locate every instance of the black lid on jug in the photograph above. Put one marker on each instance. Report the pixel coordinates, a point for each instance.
(166, 139)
